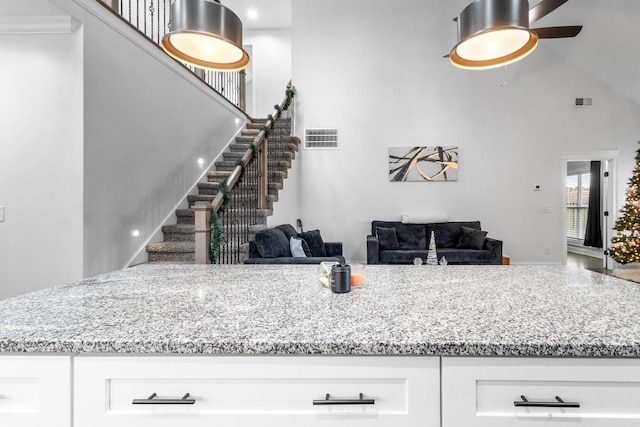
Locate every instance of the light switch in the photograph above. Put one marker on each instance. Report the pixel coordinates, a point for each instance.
(1, 213)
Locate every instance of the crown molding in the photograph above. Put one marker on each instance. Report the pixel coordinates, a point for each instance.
(46, 24)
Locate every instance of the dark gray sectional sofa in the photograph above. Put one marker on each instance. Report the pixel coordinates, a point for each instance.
(273, 246)
(394, 242)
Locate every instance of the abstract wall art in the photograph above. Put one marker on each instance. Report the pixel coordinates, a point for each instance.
(423, 164)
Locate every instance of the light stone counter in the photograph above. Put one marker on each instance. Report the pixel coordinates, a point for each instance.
(282, 309)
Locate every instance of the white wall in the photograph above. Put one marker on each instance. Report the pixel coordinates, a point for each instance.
(147, 122)
(41, 153)
(101, 136)
(393, 88)
(271, 68)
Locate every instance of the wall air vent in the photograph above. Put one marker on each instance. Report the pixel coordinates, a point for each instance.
(321, 139)
(584, 102)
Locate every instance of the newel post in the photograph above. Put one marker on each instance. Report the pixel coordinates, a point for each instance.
(202, 213)
(263, 174)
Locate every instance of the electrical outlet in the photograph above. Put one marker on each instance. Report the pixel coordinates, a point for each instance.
(547, 250)
(1, 213)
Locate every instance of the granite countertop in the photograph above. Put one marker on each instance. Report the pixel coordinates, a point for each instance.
(282, 309)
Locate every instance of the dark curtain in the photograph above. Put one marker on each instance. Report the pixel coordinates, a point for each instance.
(593, 234)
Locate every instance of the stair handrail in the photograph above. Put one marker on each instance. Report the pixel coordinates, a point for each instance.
(204, 210)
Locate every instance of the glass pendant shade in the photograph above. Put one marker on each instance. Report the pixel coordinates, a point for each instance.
(205, 34)
(492, 33)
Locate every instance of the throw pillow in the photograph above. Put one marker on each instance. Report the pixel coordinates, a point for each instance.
(388, 238)
(272, 243)
(470, 238)
(299, 247)
(288, 230)
(315, 242)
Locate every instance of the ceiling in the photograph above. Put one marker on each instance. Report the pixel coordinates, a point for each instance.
(606, 48)
(272, 14)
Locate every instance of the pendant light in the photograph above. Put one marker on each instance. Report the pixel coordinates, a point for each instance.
(205, 34)
(492, 33)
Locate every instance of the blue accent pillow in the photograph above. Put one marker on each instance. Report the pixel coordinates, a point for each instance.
(470, 238)
(388, 238)
(315, 242)
(299, 247)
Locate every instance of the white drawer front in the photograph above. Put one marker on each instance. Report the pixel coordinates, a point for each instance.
(262, 390)
(35, 391)
(553, 392)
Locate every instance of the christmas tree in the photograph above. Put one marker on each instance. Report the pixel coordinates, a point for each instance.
(625, 246)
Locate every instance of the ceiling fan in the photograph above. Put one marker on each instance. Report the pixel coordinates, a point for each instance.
(492, 33)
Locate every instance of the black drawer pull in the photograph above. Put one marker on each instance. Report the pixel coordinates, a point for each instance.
(361, 401)
(151, 400)
(559, 403)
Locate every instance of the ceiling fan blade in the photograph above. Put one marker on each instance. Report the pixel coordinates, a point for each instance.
(544, 8)
(558, 32)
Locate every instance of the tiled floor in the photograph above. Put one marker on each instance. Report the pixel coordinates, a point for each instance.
(587, 262)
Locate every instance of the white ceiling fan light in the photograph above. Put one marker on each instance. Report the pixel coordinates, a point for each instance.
(205, 34)
(492, 33)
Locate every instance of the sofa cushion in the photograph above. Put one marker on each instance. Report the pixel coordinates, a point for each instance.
(465, 256)
(272, 243)
(470, 238)
(299, 247)
(288, 230)
(388, 238)
(447, 234)
(315, 242)
(402, 256)
(410, 236)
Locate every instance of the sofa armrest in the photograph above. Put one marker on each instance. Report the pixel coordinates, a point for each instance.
(333, 248)
(495, 247)
(373, 250)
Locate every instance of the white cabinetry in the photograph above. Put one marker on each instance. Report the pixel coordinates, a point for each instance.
(35, 391)
(258, 390)
(594, 392)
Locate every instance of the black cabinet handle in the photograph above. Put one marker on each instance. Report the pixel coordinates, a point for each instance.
(559, 403)
(151, 400)
(328, 401)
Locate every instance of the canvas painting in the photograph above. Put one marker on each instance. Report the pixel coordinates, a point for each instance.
(423, 164)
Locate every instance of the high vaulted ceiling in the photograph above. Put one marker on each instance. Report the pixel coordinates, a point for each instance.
(607, 48)
(272, 14)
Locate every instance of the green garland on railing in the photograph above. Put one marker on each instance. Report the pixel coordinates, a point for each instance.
(223, 187)
(216, 237)
(243, 166)
(216, 223)
(267, 131)
(290, 94)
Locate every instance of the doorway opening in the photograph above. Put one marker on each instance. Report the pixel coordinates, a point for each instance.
(588, 199)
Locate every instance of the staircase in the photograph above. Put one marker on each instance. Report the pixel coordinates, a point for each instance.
(178, 245)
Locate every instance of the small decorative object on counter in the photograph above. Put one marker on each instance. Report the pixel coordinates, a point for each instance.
(357, 274)
(417, 261)
(323, 273)
(443, 261)
(432, 255)
(340, 279)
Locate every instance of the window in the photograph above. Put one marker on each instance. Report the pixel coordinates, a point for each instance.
(577, 204)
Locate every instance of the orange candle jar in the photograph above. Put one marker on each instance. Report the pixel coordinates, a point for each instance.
(357, 275)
